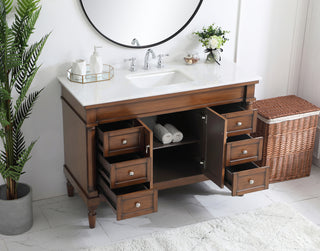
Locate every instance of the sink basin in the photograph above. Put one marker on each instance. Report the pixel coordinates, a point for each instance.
(154, 79)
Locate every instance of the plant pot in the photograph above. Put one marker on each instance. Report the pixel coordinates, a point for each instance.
(16, 216)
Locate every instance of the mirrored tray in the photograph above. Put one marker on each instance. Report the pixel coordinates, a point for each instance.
(106, 74)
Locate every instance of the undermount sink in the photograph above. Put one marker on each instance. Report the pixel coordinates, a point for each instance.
(162, 78)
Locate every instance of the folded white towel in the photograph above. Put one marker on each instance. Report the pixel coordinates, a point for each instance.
(162, 134)
(177, 136)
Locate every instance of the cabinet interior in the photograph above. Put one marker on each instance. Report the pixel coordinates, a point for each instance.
(119, 125)
(242, 167)
(238, 138)
(125, 157)
(228, 108)
(182, 159)
(175, 163)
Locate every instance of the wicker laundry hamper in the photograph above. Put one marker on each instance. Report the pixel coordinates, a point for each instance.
(288, 125)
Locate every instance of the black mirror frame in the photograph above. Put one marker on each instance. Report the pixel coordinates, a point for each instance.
(149, 45)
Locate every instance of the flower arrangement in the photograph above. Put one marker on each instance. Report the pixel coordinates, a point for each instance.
(213, 38)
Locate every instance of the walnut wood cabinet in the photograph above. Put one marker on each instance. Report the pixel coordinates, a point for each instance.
(111, 154)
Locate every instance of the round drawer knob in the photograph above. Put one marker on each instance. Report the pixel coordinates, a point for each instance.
(138, 204)
(131, 173)
(245, 152)
(124, 142)
(239, 123)
(251, 182)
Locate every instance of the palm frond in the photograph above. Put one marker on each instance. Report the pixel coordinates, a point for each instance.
(2, 166)
(3, 119)
(25, 19)
(28, 68)
(3, 156)
(8, 5)
(25, 109)
(8, 56)
(16, 170)
(4, 94)
(18, 143)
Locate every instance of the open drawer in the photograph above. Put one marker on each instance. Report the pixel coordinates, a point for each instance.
(239, 119)
(125, 170)
(129, 201)
(123, 137)
(242, 149)
(246, 178)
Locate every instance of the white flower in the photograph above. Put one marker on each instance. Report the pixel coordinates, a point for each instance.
(215, 42)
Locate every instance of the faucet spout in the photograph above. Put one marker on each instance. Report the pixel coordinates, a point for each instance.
(146, 58)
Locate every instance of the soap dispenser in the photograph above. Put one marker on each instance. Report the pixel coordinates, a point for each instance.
(96, 65)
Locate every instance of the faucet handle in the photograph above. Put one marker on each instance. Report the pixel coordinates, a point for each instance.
(160, 62)
(133, 63)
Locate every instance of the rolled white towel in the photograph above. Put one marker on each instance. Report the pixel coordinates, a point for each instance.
(177, 136)
(162, 134)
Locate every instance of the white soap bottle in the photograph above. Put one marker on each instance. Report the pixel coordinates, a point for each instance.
(96, 65)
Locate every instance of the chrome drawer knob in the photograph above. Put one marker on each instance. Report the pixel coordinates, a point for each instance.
(251, 182)
(239, 123)
(138, 204)
(124, 142)
(245, 152)
(131, 173)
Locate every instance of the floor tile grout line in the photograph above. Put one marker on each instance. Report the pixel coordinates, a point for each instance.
(47, 220)
(306, 199)
(104, 230)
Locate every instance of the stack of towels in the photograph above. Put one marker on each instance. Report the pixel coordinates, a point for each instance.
(167, 133)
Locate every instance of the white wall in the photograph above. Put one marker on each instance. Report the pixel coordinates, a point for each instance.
(270, 43)
(267, 45)
(309, 84)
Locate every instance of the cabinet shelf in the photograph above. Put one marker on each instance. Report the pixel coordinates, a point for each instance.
(187, 140)
(176, 167)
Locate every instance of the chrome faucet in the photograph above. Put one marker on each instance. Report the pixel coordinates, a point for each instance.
(146, 59)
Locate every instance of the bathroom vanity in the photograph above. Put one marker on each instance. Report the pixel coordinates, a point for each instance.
(111, 154)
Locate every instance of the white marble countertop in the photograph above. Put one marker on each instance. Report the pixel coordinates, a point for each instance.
(120, 88)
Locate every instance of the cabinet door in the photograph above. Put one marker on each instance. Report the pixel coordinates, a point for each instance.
(147, 140)
(215, 140)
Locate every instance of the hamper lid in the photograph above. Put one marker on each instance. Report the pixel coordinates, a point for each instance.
(284, 106)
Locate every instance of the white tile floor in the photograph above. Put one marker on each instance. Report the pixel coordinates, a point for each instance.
(61, 223)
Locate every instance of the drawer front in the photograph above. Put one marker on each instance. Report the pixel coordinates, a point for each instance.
(130, 201)
(241, 122)
(244, 151)
(121, 141)
(136, 204)
(132, 173)
(247, 181)
(125, 173)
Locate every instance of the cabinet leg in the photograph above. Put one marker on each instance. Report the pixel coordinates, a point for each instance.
(70, 189)
(92, 217)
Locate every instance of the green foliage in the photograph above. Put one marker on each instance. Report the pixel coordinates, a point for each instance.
(206, 33)
(18, 69)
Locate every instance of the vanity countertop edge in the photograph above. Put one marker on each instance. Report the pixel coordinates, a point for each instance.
(119, 89)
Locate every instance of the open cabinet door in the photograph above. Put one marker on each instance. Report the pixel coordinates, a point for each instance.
(215, 139)
(146, 140)
(147, 148)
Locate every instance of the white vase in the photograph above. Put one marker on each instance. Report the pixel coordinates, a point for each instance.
(79, 67)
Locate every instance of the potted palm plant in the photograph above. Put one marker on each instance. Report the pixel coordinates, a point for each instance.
(17, 71)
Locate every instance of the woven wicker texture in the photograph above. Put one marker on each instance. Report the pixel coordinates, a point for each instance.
(288, 145)
(283, 106)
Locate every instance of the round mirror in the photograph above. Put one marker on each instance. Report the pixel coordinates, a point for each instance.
(140, 23)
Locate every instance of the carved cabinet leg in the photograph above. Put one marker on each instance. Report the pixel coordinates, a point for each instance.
(70, 189)
(92, 217)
